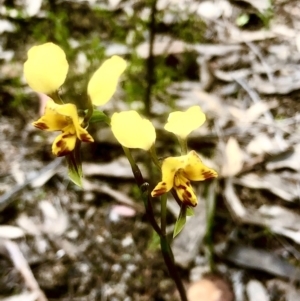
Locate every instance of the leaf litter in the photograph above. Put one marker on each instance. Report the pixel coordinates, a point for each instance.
(248, 80)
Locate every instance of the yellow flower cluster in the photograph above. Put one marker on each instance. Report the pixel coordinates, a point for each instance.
(45, 71)
(133, 131)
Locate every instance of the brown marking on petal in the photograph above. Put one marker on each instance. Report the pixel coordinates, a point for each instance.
(86, 138)
(189, 195)
(186, 198)
(64, 136)
(158, 192)
(63, 153)
(208, 174)
(60, 143)
(188, 183)
(41, 125)
(189, 203)
(164, 183)
(186, 192)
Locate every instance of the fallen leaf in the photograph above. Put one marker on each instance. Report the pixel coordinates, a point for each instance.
(291, 160)
(233, 158)
(285, 185)
(260, 259)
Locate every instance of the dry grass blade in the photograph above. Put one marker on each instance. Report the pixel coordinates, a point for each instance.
(22, 266)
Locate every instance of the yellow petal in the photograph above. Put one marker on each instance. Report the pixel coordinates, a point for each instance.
(63, 118)
(103, 83)
(184, 189)
(51, 120)
(83, 134)
(195, 170)
(46, 68)
(169, 168)
(69, 111)
(65, 142)
(183, 123)
(133, 131)
(177, 172)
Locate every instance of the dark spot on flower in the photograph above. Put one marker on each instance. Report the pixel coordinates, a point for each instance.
(63, 152)
(41, 125)
(60, 143)
(208, 174)
(188, 194)
(187, 199)
(188, 183)
(64, 136)
(158, 192)
(86, 138)
(164, 183)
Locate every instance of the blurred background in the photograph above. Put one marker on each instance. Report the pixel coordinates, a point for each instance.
(238, 60)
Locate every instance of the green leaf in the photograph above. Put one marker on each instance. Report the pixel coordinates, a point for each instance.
(189, 211)
(75, 165)
(99, 116)
(180, 221)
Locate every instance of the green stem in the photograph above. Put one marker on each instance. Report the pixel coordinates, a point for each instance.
(163, 213)
(165, 246)
(149, 208)
(89, 113)
(169, 261)
(56, 98)
(144, 188)
(183, 146)
(152, 152)
(135, 169)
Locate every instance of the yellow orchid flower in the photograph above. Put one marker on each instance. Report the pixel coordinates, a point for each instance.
(46, 68)
(133, 131)
(63, 118)
(183, 123)
(177, 172)
(103, 83)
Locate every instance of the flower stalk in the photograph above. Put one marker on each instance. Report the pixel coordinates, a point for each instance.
(161, 231)
(130, 129)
